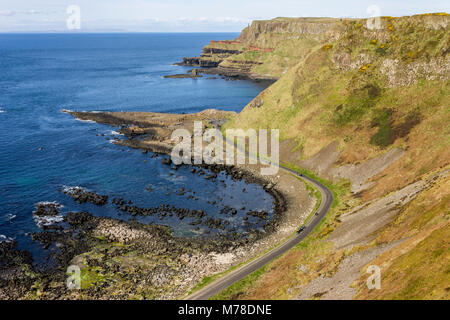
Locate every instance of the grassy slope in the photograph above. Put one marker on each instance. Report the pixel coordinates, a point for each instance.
(370, 91)
(420, 267)
(316, 103)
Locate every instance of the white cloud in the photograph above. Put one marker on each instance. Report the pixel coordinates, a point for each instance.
(10, 13)
(7, 13)
(190, 16)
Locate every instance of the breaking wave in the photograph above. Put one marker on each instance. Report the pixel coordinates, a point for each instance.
(73, 190)
(115, 133)
(4, 238)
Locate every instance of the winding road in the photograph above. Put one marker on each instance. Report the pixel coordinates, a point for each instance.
(240, 273)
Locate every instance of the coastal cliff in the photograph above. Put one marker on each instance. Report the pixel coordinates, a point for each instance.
(366, 109)
(265, 49)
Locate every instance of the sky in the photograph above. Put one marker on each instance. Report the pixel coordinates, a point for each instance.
(187, 15)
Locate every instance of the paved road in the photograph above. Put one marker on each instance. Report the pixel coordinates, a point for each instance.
(240, 273)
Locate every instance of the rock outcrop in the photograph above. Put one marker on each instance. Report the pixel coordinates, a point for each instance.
(256, 47)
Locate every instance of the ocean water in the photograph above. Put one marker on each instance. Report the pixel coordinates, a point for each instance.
(42, 150)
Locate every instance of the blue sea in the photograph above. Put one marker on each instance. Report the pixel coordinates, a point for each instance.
(43, 150)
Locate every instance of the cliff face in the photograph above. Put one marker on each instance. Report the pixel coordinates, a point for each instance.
(367, 109)
(266, 49)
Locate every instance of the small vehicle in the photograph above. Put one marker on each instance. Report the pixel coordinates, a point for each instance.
(317, 213)
(302, 228)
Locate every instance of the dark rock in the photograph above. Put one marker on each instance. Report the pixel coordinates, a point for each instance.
(82, 196)
(183, 76)
(78, 218)
(10, 255)
(47, 209)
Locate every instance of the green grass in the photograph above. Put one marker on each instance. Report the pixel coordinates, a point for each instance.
(237, 287)
(92, 277)
(359, 103)
(338, 189)
(313, 192)
(384, 135)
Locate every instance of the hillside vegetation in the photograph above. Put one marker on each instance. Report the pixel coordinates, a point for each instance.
(368, 110)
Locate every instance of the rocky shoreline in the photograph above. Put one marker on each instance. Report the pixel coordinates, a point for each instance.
(115, 256)
(131, 260)
(242, 72)
(223, 58)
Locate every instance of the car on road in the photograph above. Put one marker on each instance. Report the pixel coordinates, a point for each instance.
(302, 228)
